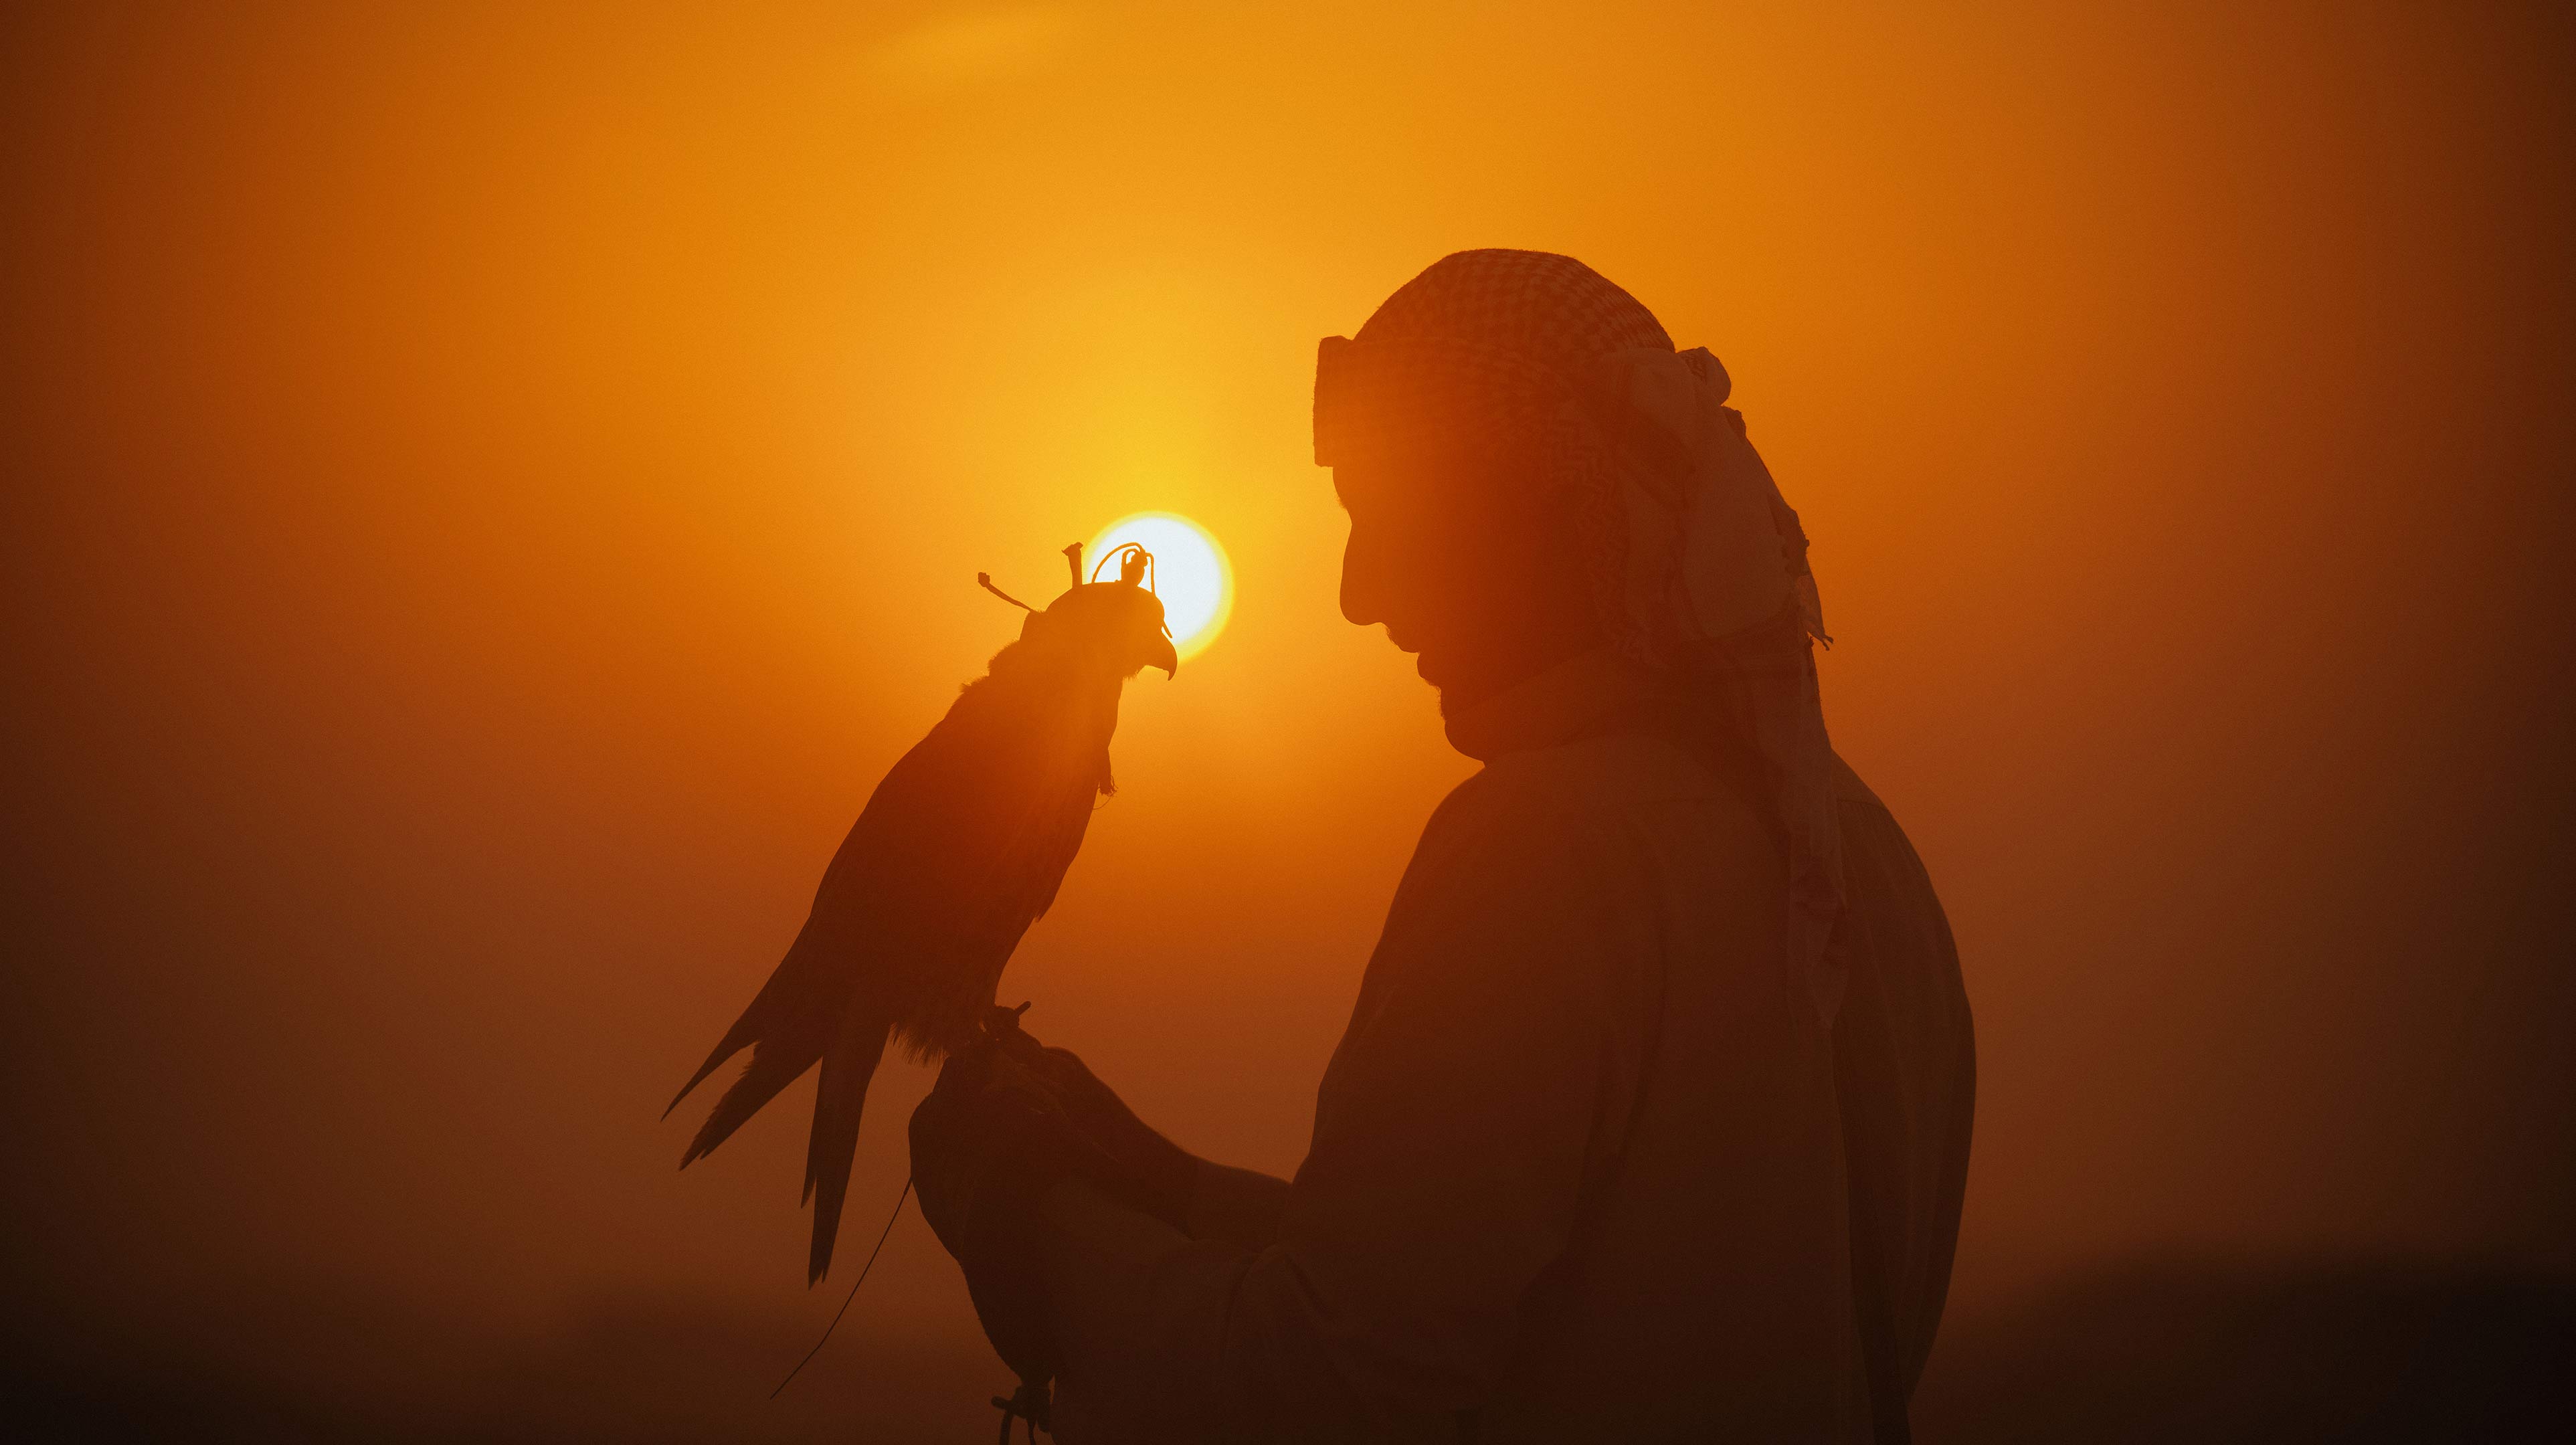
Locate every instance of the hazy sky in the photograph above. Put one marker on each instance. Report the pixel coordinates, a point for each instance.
(488, 490)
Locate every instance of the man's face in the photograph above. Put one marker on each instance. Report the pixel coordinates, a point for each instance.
(1463, 565)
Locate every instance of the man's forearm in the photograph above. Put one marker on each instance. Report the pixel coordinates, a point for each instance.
(1239, 1206)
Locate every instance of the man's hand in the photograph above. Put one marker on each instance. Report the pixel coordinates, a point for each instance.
(1126, 1158)
(1110, 1145)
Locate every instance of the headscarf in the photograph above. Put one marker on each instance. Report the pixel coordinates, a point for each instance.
(1697, 567)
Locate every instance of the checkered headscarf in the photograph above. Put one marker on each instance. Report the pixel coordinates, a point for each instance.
(1697, 568)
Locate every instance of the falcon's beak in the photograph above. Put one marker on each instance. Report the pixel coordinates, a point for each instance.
(1165, 657)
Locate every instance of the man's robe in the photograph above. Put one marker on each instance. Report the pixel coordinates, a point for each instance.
(1588, 1163)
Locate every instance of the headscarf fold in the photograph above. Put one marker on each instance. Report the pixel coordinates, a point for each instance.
(1697, 565)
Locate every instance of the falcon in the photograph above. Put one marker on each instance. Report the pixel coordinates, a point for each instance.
(958, 851)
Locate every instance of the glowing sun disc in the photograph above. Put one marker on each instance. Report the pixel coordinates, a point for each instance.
(1191, 573)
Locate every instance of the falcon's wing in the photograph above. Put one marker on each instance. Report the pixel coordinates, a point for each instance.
(1016, 887)
(959, 848)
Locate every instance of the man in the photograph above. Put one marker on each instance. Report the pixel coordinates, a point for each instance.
(1652, 1118)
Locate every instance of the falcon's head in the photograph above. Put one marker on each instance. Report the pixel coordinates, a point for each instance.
(1113, 628)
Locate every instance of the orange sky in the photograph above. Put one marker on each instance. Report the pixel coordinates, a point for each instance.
(489, 493)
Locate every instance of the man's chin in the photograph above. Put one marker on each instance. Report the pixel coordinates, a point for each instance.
(1442, 669)
(1467, 679)
(1443, 680)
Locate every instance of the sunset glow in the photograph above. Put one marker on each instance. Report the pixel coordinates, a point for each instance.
(1191, 573)
(491, 491)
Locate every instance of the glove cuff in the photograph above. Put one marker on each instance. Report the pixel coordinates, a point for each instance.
(1003, 1253)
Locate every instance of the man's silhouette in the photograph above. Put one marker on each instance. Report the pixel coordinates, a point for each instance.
(1652, 1118)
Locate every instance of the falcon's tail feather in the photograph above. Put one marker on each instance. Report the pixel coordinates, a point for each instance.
(734, 1042)
(839, 1096)
(772, 1068)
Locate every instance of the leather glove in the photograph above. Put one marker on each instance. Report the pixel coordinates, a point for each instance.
(1009, 1118)
(987, 1144)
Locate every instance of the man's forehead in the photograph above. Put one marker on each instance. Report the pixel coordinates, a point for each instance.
(1393, 471)
(1426, 476)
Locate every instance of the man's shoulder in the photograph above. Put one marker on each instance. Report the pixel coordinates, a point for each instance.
(1848, 788)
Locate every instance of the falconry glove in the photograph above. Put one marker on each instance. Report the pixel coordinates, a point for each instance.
(987, 1145)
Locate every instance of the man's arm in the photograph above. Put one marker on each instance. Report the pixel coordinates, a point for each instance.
(1240, 1207)
(1486, 1078)
(1146, 1171)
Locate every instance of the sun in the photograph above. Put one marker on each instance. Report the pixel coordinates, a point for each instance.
(1191, 573)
